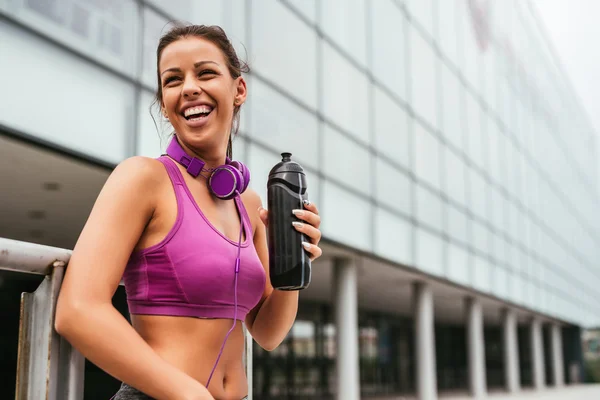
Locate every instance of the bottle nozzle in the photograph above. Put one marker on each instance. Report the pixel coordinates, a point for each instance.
(286, 156)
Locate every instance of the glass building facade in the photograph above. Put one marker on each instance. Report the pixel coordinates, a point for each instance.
(439, 135)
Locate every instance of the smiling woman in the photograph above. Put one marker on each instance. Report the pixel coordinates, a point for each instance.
(205, 53)
(189, 240)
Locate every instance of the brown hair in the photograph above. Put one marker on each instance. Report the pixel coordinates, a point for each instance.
(217, 36)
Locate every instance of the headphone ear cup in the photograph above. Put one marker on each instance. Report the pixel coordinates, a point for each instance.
(224, 182)
(245, 175)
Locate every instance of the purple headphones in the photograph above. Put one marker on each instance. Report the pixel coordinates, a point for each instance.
(224, 182)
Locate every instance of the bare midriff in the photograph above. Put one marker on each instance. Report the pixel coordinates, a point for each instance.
(193, 345)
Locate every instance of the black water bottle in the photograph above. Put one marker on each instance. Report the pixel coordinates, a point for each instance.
(289, 262)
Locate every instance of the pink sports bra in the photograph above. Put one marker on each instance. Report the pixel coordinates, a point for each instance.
(191, 272)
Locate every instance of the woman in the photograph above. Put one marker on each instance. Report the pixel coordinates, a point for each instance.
(175, 243)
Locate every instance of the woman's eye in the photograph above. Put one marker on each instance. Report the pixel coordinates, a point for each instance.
(170, 79)
(206, 72)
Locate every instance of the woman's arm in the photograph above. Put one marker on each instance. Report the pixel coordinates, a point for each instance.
(85, 315)
(272, 318)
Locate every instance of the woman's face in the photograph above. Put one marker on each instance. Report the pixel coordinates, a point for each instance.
(198, 93)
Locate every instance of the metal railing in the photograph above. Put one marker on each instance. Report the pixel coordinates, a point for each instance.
(48, 367)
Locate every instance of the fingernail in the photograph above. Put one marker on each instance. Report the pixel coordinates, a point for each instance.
(298, 213)
(297, 224)
(306, 202)
(306, 245)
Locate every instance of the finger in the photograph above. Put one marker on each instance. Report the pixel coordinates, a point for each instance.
(308, 216)
(313, 233)
(314, 250)
(263, 214)
(310, 206)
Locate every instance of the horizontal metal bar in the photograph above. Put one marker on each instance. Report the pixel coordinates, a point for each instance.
(31, 258)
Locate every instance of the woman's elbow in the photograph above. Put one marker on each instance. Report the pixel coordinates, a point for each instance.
(269, 343)
(66, 313)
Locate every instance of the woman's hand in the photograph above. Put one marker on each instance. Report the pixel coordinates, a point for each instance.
(310, 227)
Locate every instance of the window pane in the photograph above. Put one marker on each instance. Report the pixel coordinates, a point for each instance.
(105, 30)
(393, 237)
(343, 222)
(389, 46)
(260, 162)
(154, 27)
(494, 151)
(491, 77)
(480, 235)
(478, 194)
(308, 8)
(457, 225)
(500, 250)
(429, 252)
(516, 289)
(82, 96)
(346, 161)
(447, 27)
(423, 78)
(391, 129)
(503, 102)
(228, 14)
(281, 124)
(345, 94)
(470, 48)
(475, 133)
(481, 274)
(239, 150)
(151, 141)
(344, 21)
(458, 264)
(267, 50)
(393, 187)
(429, 208)
(514, 216)
(452, 93)
(427, 159)
(422, 12)
(499, 282)
(497, 208)
(455, 177)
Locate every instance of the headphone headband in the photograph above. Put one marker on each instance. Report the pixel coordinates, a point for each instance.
(193, 165)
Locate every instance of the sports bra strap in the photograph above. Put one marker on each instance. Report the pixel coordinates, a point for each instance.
(172, 170)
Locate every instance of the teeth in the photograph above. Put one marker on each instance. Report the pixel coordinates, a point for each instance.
(197, 110)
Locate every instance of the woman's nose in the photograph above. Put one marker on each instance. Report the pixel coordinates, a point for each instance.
(191, 88)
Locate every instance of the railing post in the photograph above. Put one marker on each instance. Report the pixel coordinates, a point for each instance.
(248, 361)
(48, 367)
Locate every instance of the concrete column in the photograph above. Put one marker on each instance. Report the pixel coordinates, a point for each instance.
(346, 324)
(475, 348)
(557, 356)
(537, 354)
(425, 342)
(512, 372)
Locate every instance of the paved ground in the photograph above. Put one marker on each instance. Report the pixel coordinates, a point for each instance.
(579, 392)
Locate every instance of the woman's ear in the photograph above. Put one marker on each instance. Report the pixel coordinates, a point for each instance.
(240, 93)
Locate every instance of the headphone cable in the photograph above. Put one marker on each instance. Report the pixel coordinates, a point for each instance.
(237, 270)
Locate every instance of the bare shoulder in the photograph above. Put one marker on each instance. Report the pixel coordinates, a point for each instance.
(140, 171)
(133, 184)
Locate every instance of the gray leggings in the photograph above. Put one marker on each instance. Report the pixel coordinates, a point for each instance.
(128, 393)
